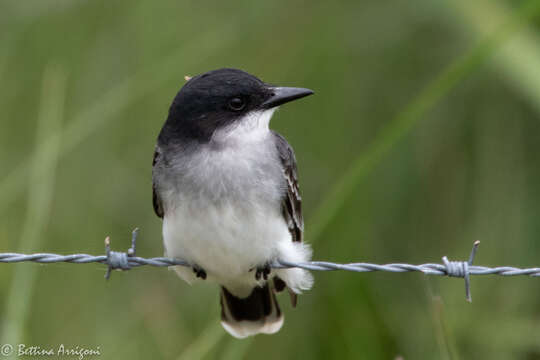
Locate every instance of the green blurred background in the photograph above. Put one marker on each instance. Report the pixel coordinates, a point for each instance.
(423, 136)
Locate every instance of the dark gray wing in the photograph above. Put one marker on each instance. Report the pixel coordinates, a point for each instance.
(291, 204)
(158, 207)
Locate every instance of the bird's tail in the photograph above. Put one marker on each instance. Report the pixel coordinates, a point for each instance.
(255, 314)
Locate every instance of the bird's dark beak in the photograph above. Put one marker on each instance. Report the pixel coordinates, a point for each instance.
(282, 95)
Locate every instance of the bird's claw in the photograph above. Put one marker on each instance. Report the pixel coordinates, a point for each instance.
(263, 271)
(200, 273)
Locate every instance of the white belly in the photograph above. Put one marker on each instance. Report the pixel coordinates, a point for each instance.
(226, 240)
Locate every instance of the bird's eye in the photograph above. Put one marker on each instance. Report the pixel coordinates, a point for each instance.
(236, 104)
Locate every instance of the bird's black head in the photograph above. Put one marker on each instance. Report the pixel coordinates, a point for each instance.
(218, 98)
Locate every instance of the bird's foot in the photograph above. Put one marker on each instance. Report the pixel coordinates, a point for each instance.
(200, 273)
(263, 271)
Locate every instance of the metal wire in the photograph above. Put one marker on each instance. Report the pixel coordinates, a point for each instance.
(127, 260)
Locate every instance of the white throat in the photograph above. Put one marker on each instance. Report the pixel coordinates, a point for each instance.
(254, 126)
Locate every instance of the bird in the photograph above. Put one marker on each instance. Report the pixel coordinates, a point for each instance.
(226, 188)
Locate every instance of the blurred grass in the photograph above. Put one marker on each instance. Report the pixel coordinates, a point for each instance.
(199, 348)
(413, 112)
(519, 60)
(40, 196)
(415, 191)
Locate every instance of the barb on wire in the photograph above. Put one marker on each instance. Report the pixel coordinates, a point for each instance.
(127, 260)
(119, 260)
(461, 269)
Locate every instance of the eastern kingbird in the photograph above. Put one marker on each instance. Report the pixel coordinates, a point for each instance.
(226, 187)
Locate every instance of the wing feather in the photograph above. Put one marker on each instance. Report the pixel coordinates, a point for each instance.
(158, 207)
(291, 205)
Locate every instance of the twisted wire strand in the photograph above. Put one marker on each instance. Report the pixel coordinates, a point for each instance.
(429, 268)
(127, 260)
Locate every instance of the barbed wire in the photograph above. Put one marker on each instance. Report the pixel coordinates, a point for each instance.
(116, 260)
